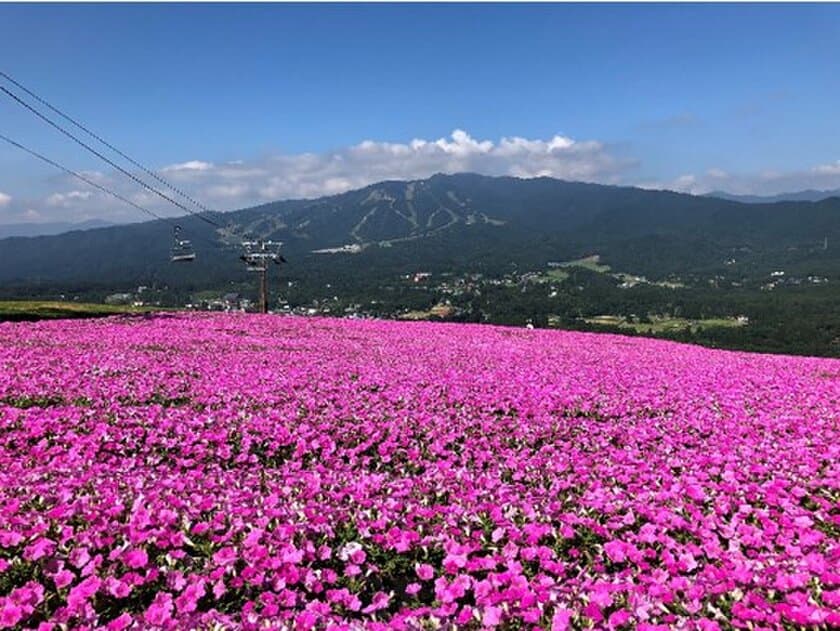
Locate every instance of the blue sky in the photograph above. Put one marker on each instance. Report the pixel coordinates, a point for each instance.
(247, 102)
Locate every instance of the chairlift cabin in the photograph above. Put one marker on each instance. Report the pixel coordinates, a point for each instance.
(182, 250)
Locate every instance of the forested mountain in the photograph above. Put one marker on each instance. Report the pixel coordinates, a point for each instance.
(809, 195)
(451, 222)
(39, 229)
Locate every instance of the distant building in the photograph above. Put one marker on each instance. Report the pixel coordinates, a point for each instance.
(119, 299)
(442, 310)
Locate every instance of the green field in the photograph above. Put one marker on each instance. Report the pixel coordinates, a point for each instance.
(662, 325)
(22, 310)
(556, 274)
(592, 263)
(560, 271)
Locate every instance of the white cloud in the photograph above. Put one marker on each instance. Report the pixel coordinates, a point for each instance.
(685, 183)
(191, 165)
(227, 190)
(824, 177)
(682, 184)
(245, 182)
(828, 169)
(66, 199)
(311, 175)
(240, 183)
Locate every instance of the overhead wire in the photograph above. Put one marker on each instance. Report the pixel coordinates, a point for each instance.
(110, 146)
(138, 180)
(119, 168)
(84, 179)
(92, 183)
(229, 227)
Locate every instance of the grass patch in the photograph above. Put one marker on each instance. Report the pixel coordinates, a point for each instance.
(438, 311)
(660, 324)
(592, 263)
(554, 274)
(30, 310)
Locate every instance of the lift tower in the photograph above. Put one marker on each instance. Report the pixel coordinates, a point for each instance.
(257, 256)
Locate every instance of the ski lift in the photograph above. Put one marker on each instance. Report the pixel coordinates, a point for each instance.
(182, 250)
(258, 254)
(252, 264)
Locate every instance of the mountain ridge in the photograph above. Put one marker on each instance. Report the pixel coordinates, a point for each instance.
(32, 229)
(458, 220)
(808, 195)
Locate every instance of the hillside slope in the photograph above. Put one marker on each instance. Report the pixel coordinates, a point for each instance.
(381, 475)
(447, 221)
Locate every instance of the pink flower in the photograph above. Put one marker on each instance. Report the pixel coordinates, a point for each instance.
(292, 555)
(120, 623)
(10, 613)
(448, 592)
(491, 616)
(9, 539)
(79, 557)
(136, 558)
(618, 618)
(465, 616)
(687, 562)
(187, 602)
(82, 592)
(425, 571)
(454, 562)
(63, 578)
(695, 492)
(306, 620)
(615, 551)
(156, 614)
(225, 556)
(116, 587)
(523, 469)
(253, 538)
(160, 611)
(380, 601)
(600, 596)
(38, 549)
(561, 620)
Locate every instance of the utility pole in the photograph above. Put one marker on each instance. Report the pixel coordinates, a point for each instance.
(257, 256)
(264, 290)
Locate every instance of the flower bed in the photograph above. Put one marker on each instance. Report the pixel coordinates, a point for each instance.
(251, 472)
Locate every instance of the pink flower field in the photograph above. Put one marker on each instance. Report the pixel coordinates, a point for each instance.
(236, 471)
